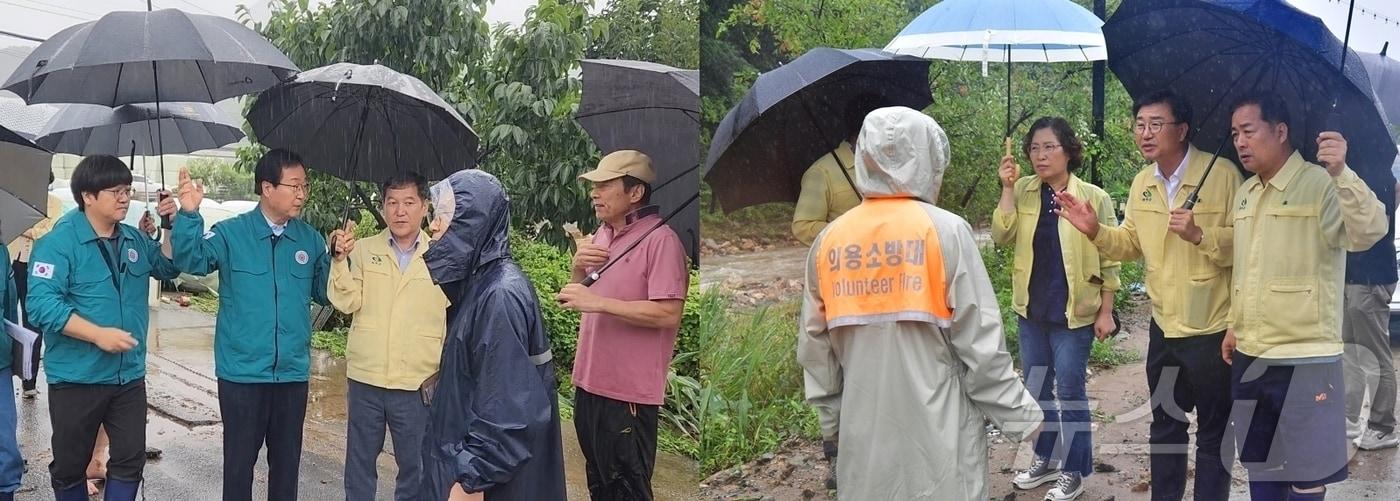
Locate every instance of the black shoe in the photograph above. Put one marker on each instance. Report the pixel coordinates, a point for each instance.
(829, 450)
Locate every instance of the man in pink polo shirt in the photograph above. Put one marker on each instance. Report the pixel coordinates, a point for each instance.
(631, 316)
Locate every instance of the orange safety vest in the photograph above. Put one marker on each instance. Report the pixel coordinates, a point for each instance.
(881, 262)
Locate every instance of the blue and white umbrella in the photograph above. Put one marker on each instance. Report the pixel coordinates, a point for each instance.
(1016, 31)
(1008, 31)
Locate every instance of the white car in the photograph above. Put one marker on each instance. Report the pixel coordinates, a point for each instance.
(211, 211)
(145, 189)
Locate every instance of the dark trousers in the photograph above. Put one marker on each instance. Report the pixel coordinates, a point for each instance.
(1290, 424)
(260, 414)
(618, 440)
(76, 410)
(371, 409)
(21, 270)
(1185, 374)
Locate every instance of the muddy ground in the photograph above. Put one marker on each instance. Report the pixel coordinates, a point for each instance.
(1118, 395)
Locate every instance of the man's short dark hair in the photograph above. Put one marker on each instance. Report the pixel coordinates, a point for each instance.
(628, 182)
(270, 166)
(1074, 149)
(1181, 109)
(1271, 108)
(96, 173)
(404, 179)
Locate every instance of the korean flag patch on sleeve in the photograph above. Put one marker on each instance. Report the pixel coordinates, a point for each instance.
(43, 270)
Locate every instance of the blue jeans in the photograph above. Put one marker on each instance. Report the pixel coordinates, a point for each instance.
(1053, 359)
(11, 464)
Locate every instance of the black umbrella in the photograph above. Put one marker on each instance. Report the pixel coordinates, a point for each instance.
(153, 56)
(1213, 52)
(82, 129)
(143, 57)
(364, 123)
(1385, 81)
(24, 179)
(795, 114)
(655, 109)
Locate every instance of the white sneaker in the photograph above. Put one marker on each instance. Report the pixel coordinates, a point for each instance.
(1354, 429)
(31, 393)
(1040, 474)
(1069, 486)
(1374, 439)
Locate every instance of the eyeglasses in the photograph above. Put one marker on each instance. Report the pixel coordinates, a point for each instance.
(304, 189)
(1153, 127)
(1035, 149)
(121, 192)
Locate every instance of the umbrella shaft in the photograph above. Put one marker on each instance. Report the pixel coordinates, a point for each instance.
(593, 277)
(1195, 193)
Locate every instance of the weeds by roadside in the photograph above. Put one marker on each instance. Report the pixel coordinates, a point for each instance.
(749, 398)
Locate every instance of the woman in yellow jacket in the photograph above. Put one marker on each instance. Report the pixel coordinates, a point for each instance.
(1063, 293)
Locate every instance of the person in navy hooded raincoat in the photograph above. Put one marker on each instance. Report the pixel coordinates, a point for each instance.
(493, 407)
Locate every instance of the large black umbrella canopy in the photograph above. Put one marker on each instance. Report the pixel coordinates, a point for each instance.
(84, 129)
(364, 123)
(1212, 52)
(142, 57)
(24, 181)
(655, 109)
(795, 114)
(1385, 81)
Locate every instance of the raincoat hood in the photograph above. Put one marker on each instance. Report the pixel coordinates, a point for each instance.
(479, 231)
(901, 153)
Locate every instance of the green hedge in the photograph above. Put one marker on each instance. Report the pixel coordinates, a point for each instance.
(548, 269)
(999, 262)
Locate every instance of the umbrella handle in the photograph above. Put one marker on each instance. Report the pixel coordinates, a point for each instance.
(1334, 117)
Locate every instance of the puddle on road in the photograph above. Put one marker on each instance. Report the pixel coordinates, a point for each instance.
(675, 477)
(185, 336)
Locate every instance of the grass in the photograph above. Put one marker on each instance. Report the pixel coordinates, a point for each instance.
(332, 341)
(1103, 353)
(760, 223)
(749, 398)
(205, 302)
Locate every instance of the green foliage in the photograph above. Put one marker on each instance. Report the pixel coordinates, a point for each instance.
(741, 39)
(207, 303)
(332, 341)
(1131, 276)
(523, 97)
(749, 396)
(800, 25)
(660, 31)
(517, 86)
(548, 270)
(432, 40)
(222, 180)
(1000, 261)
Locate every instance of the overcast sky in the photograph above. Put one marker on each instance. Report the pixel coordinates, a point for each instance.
(41, 18)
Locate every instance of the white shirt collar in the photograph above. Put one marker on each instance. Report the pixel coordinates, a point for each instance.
(1180, 169)
(277, 229)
